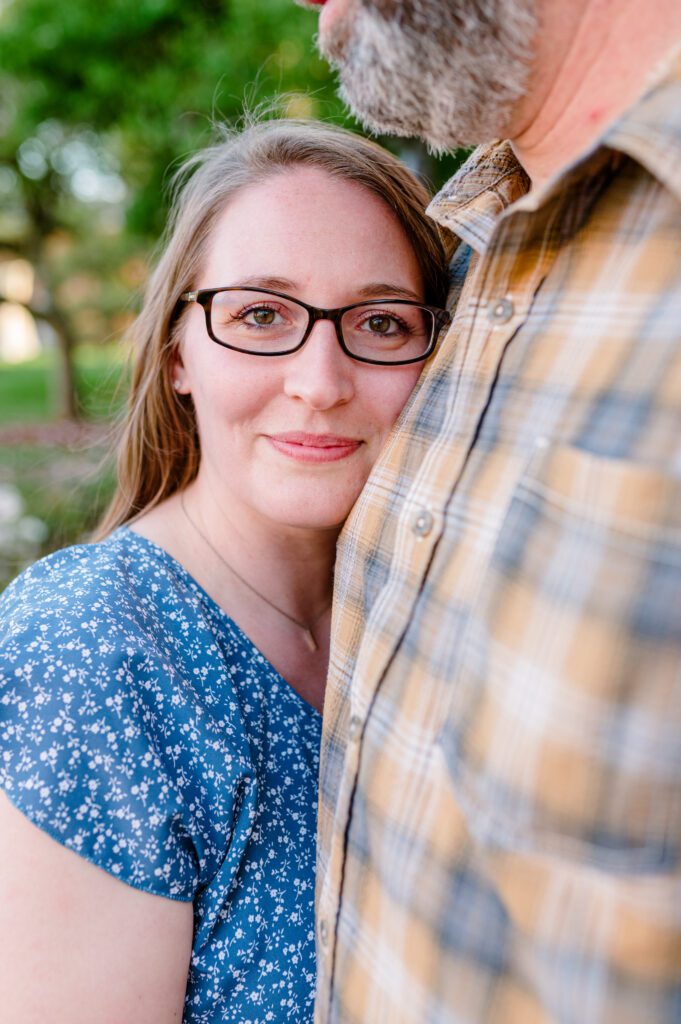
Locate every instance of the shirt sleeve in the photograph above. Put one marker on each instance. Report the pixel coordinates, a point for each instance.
(82, 723)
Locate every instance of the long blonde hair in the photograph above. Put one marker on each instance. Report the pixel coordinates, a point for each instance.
(158, 450)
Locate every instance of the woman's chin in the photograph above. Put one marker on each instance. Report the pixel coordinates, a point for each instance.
(314, 514)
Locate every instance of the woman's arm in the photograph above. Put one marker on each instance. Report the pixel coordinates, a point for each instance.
(77, 946)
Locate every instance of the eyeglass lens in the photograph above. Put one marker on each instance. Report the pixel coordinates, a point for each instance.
(269, 324)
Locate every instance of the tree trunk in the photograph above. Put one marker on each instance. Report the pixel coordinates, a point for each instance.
(43, 305)
(66, 406)
(66, 397)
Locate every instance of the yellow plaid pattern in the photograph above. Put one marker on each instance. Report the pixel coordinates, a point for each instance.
(500, 811)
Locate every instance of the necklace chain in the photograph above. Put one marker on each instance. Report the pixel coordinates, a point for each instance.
(306, 629)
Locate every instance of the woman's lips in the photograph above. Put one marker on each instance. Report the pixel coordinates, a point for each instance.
(314, 447)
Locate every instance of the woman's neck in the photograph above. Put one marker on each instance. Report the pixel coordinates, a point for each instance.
(274, 581)
(290, 566)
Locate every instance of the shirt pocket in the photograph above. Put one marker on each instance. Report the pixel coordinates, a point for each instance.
(563, 735)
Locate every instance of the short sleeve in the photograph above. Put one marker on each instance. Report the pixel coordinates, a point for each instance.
(84, 750)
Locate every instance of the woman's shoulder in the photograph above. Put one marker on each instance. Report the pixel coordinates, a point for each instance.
(71, 576)
(119, 587)
(86, 625)
(57, 576)
(98, 733)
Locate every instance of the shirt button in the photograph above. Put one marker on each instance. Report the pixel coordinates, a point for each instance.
(422, 523)
(324, 932)
(500, 311)
(354, 727)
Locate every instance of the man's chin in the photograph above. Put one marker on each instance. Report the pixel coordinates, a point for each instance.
(401, 79)
(365, 51)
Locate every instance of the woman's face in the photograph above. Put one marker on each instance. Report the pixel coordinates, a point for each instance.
(291, 439)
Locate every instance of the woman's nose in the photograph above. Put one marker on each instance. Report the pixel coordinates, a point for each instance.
(320, 373)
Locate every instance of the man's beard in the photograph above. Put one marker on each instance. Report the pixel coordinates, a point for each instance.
(449, 71)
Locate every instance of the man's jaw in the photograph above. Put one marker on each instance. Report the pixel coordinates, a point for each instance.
(440, 70)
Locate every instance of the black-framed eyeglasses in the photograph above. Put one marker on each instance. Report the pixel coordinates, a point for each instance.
(261, 322)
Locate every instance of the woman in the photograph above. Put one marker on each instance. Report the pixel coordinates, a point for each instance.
(161, 689)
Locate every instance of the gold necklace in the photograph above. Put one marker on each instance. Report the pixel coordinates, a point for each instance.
(302, 626)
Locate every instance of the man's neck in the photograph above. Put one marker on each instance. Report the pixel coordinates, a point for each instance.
(594, 60)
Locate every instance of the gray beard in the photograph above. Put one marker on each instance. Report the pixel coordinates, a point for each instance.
(449, 71)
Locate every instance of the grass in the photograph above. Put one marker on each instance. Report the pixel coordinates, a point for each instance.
(64, 487)
(27, 389)
(24, 392)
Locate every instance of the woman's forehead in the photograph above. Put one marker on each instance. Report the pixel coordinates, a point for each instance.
(305, 213)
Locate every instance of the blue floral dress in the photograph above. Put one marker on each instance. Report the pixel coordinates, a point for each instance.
(141, 728)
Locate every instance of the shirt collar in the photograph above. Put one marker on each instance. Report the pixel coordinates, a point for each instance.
(492, 179)
(650, 132)
(471, 202)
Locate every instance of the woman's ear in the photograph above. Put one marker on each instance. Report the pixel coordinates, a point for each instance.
(178, 376)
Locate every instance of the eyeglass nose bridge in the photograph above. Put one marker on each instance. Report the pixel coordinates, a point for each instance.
(315, 316)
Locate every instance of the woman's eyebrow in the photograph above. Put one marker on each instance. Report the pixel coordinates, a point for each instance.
(372, 290)
(379, 289)
(278, 284)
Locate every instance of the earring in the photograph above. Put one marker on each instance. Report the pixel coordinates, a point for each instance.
(177, 384)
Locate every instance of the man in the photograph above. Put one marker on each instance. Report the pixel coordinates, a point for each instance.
(500, 818)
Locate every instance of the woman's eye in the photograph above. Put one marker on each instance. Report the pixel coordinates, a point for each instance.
(383, 324)
(380, 324)
(263, 317)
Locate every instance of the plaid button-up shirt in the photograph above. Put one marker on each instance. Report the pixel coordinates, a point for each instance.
(500, 815)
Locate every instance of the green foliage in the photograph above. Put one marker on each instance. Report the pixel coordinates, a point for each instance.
(144, 78)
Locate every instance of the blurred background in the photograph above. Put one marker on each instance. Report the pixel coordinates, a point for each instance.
(99, 102)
